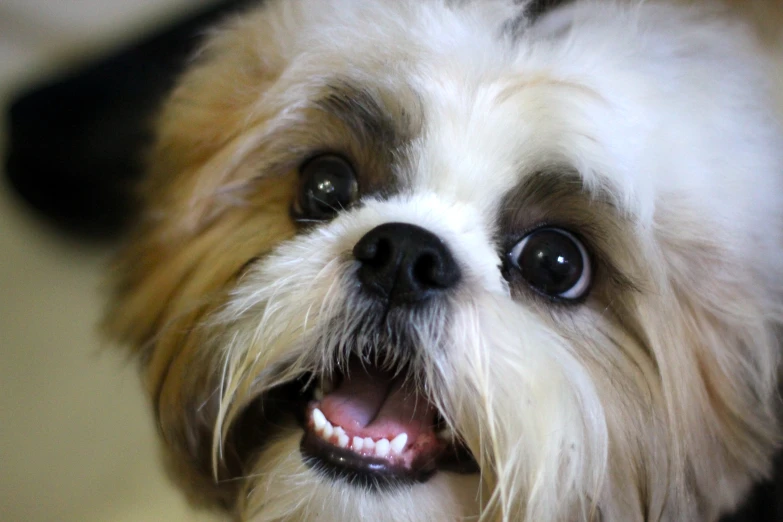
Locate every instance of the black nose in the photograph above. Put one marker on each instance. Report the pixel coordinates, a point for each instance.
(405, 263)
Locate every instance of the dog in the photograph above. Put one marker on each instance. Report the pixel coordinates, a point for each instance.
(446, 260)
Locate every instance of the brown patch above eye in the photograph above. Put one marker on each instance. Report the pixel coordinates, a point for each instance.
(372, 128)
(557, 198)
(367, 127)
(552, 196)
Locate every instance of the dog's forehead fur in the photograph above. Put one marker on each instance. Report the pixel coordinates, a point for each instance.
(642, 127)
(434, 83)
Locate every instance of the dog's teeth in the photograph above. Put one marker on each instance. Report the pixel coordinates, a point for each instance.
(328, 430)
(357, 444)
(382, 448)
(319, 420)
(339, 431)
(399, 442)
(342, 439)
(368, 444)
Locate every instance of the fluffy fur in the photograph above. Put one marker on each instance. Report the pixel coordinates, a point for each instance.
(646, 127)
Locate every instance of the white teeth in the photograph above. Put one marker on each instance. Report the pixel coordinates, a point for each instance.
(382, 448)
(342, 440)
(399, 442)
(319, 420)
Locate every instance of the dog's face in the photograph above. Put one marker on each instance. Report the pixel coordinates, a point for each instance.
(428, 260)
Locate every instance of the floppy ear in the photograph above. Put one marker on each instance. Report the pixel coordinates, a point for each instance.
(714, 328)
(200, 130)
(194, 239)
(198, 146)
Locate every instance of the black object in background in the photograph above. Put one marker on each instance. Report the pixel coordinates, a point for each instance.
(76, 143)
(765, 504)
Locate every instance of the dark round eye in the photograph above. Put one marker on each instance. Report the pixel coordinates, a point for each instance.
(327, 185)
(554, 263)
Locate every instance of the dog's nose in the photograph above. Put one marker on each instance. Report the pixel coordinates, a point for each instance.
(405, 263)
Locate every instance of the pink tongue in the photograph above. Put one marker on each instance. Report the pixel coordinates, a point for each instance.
(372, 403)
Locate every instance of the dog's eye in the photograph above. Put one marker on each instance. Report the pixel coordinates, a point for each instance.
(327, 185)
(554, 263)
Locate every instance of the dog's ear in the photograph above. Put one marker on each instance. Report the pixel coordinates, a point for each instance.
(199, 135)
(200, 131)
(196, 234)
(716, 346)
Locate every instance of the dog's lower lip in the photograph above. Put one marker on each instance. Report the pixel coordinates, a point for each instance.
(361, 470)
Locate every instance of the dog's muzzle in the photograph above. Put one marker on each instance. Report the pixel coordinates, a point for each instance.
(373, 424)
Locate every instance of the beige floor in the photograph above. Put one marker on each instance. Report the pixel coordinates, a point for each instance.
(76, 440)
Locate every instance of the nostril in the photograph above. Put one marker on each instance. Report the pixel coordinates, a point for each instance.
(374, 251)
(436, 270)
(383, 252)
(426, 270)
(365, 250)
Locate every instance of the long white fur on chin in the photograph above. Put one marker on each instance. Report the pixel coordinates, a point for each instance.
(445, 260)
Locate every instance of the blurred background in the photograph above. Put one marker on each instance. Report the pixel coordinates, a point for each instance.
(77, 441)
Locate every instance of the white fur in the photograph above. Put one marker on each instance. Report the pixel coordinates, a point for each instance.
(665, 110)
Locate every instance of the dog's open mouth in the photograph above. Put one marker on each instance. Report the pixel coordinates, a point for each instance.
(370, 426)
(375, 426)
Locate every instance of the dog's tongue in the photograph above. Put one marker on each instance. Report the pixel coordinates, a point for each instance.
(375, 404)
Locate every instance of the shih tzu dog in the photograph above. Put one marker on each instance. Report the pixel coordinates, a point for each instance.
(449, 260)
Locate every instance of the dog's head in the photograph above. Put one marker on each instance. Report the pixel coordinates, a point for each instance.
(423, 260)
